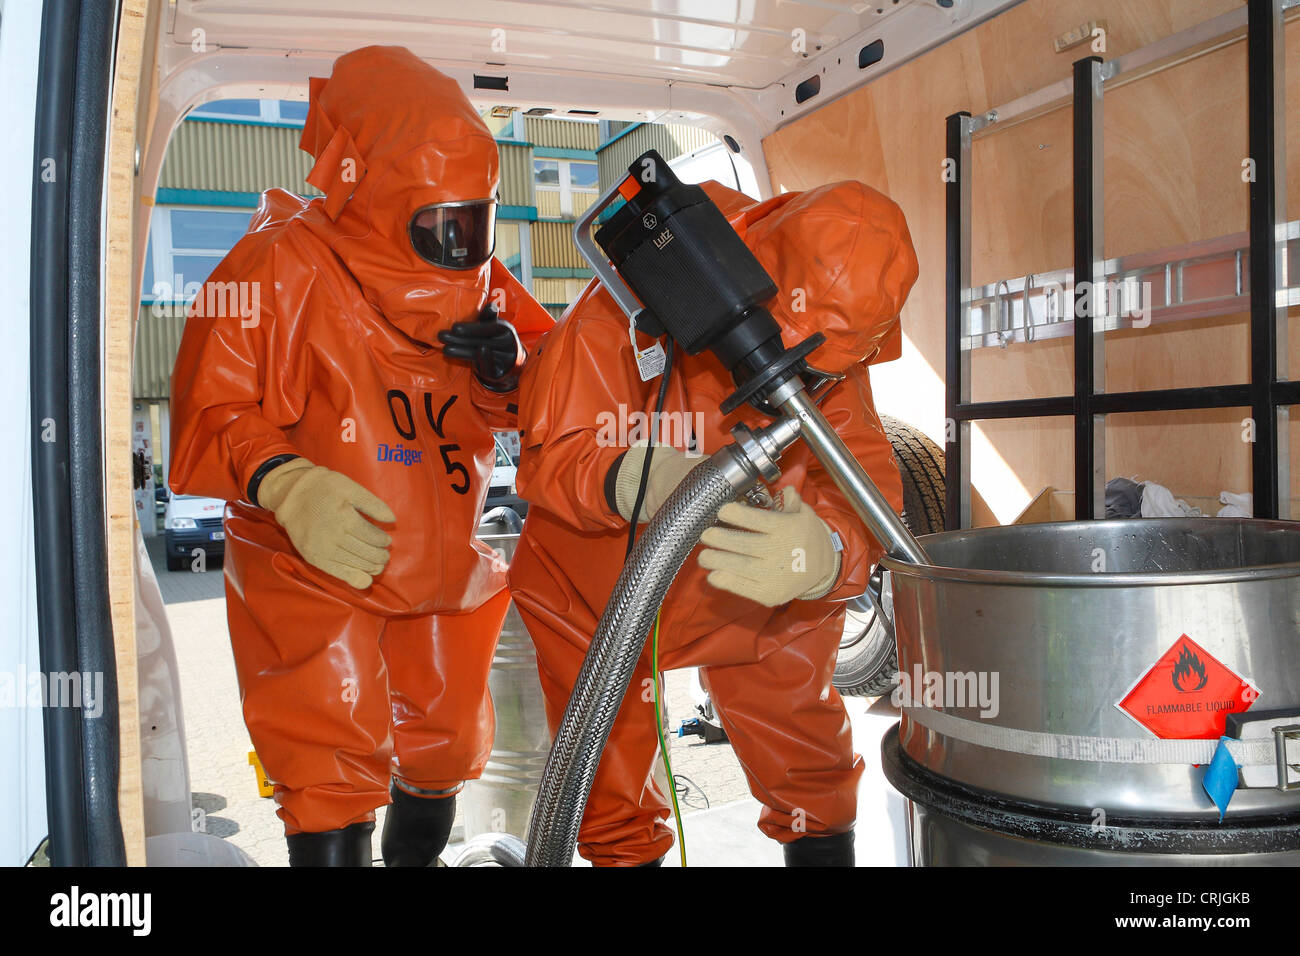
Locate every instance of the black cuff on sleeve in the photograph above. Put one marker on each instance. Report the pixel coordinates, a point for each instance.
(263, 470)
(611, 483)
(502, 386)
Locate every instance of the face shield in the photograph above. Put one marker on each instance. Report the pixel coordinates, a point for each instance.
(455, 235)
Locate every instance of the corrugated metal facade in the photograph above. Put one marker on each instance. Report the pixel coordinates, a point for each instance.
(236, 158)
(561, 134)
(548, 203)
(553, 246)
(670, 141)
(507, 247)
(582, 199)
(233, 157)
(248, 158)
(498, 126)
(157, 340)
(557, 292)
(516, 175)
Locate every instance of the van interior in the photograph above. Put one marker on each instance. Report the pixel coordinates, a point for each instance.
(896, 93)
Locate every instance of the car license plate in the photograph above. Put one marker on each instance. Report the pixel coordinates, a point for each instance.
(218, 536)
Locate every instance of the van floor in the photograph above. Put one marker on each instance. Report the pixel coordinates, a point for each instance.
(719, 815)
(726, 835)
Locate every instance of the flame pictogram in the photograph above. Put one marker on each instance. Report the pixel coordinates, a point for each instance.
(1188, 669)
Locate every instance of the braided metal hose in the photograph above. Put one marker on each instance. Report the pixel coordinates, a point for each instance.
(620, 638)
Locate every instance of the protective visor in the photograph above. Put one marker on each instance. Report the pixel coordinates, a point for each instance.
(455, 235)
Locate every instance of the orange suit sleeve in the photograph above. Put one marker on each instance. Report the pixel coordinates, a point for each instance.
(237, 382)
(579, 382)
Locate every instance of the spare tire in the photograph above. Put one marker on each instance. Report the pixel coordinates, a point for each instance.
(867, 657)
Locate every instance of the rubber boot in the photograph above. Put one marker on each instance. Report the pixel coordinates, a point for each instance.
(416, 828)
(347, 847)
(833, 850)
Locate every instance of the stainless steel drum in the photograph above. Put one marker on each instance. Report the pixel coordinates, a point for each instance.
(1020, 645)
(501, 801)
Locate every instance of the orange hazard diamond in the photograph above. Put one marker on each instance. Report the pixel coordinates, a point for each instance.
(1188, 693)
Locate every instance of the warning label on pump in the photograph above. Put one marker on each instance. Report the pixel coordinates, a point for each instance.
(1188, 693)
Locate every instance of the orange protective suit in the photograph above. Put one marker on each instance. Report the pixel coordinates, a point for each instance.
(336, 361)
(843, 259)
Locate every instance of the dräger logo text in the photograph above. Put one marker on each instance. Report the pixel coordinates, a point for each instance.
(399, 454)
(74, 908)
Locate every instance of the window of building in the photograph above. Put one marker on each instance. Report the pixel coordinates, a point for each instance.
(185, 245)
(546, 173)
(292, 111)
(564, 187)
(229, 109)
(273, 112)
(583, 175)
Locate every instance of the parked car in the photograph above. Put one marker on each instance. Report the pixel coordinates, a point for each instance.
(501, 487)
(192, 522)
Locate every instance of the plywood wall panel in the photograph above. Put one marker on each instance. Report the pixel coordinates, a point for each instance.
(1007, 450)
(1173, 150)
(134, 62)
(1293, 436)
(1197, 453)
(1175, 142)
(1021, 203)
(1214, 351)
(1023, 370)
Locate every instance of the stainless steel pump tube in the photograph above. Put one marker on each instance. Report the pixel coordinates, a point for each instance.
(851, 478)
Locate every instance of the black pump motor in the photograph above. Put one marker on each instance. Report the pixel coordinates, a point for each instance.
(697, 279)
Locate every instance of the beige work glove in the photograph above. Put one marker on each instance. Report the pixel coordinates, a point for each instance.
(775, 557)
(668, 467)
(321, 511)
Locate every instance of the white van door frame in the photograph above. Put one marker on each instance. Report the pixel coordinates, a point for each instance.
(74, 623)
(22, 749)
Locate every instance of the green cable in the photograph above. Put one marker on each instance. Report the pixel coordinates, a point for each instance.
(663, 744)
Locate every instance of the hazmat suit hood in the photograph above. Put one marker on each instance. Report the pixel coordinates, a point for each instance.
(391, 135)
(844, 262)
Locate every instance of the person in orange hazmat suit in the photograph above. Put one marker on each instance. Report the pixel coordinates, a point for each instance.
(346, 417)
(763, 629)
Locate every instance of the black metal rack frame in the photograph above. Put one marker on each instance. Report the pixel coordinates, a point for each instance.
(1268, 394)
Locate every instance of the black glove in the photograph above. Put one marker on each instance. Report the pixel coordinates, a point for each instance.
(491, 347)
